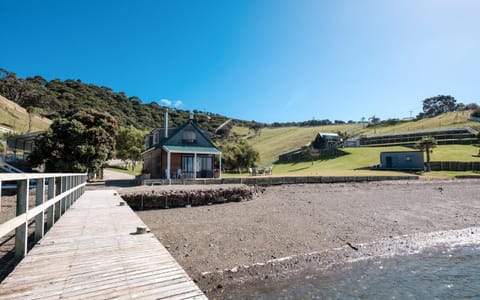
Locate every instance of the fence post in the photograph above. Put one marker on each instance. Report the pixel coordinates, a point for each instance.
(64, 199)
(50, 210)
(67, 188)
(21, 233)
(58, 205)
(40, 218)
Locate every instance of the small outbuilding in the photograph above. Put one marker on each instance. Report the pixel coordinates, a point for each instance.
(402, 160)
(327, 141)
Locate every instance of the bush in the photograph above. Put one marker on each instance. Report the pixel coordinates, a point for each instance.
(476, 113)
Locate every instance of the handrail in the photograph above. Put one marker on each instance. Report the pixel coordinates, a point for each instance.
(62, 190)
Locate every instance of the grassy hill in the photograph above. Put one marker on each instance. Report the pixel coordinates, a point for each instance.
(16, 117)
(270, 142)
(366, 156)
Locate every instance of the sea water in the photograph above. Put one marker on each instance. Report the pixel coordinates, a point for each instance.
(435, 274)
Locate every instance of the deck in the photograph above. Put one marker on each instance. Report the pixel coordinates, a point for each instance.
(93, 252)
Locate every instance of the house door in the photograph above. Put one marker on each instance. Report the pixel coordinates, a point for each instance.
(389, 162)
(187, 166)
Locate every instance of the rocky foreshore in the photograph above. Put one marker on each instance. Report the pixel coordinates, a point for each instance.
(290, 230)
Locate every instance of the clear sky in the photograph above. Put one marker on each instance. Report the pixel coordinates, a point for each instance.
(264, 60)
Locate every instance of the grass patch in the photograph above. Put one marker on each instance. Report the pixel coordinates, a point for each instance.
(17, 118)
(447, 174)
(455, 153)
(367, 156)
(356, 158)
(137, 171)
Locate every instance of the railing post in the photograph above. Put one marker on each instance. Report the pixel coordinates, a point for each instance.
(64, 199)
(21, 233)
(40, 218)
(58, 205)
(67, 188)
(50, 210)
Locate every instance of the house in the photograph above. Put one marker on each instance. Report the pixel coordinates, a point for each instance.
(183, 152)
(402, 160)
(327, 141)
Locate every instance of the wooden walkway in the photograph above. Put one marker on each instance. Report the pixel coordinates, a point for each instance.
(92, 252)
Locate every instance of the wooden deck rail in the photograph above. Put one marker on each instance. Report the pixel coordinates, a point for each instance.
(61, 189)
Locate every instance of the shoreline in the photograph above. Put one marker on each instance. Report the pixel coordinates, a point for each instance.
(291, 229)
(241, 279)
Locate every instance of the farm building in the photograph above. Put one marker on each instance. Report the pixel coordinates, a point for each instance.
(402, 160)
(183, 152)
(327, 141)
(444, 136)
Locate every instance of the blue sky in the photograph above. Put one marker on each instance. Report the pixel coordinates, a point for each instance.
(264, 60)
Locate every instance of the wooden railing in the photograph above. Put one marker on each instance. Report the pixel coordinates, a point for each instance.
(54, 194)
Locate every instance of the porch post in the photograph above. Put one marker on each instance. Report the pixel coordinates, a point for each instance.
(168, 164)
(220, 166)
(195, 165)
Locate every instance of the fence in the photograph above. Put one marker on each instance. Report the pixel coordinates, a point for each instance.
(54, 194)
(455, 166)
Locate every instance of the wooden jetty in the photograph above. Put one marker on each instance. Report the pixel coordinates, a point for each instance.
(94, 252)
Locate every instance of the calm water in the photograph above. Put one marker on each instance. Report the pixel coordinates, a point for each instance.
(447, 274)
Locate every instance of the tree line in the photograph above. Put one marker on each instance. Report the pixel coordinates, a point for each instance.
(58, 98)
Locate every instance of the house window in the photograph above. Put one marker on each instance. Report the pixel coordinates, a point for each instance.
(189, 137)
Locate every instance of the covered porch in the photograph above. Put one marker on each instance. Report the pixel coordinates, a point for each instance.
(191, 162)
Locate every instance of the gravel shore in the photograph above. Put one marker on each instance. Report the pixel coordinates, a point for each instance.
(289, 229)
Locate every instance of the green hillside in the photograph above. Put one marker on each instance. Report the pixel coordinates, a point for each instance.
(270, 142)
(15, 117)
(56, 97)
(367, 156)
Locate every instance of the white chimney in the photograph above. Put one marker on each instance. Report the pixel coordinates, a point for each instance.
(166, 122)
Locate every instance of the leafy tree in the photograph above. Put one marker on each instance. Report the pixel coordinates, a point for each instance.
(476, 113)
(438, 105)
(238, 155)
(374, 119)
(426, 144)
(129, 143)
(471, 106)
(81, 141)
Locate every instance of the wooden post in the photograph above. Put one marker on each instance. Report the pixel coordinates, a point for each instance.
(58, 205)
(40, 218)
(220, 166)
(68, 186)
(168, 164)
(64, 199)
(21, 233)
(51, 195)
(195, 165)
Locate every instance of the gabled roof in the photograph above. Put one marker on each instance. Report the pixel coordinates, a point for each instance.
(175, 144)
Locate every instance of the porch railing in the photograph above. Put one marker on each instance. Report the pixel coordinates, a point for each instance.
(54, 194)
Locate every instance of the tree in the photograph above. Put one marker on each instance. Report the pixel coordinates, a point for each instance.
(426, 144)
(471, 106)
(238, 155)
(476, 113)
(309, 153)
(81, 141)
(438, 105)
(30, 111)
(129, 144)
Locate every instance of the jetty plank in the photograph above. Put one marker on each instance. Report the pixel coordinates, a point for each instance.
(93, 251)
